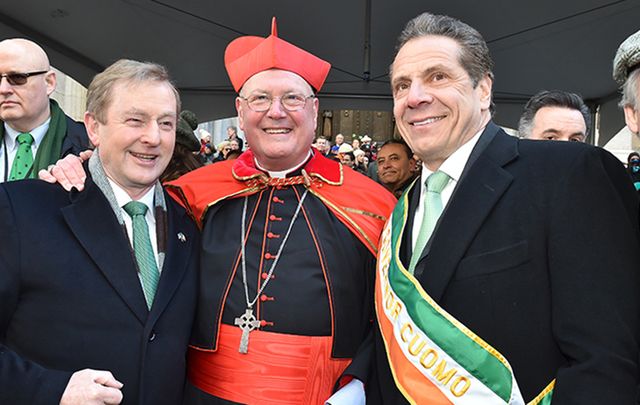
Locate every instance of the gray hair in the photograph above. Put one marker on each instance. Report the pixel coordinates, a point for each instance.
(553, 98)
(474, 54)
(629, 90)
(100, 92)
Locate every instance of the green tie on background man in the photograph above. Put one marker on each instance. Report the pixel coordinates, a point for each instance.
(142, 248)
(436, 182)
(23, 160)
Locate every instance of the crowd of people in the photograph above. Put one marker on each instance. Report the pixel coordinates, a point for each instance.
(458, 264)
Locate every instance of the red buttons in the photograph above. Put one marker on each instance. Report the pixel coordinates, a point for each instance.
(274, 218)
(264, 323)
(272, 235)
(269, 256)
(277, 200)
(264, 276)
(265, 297)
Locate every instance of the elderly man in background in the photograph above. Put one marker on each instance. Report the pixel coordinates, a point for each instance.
(626, 73)
(556, 116)
(35, 132)
(508, 270)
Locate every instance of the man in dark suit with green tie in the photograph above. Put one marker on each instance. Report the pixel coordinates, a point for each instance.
(98, 287)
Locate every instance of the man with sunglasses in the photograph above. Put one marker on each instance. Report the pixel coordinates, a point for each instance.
(35, 132)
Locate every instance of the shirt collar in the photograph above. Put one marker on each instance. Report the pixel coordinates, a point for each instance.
(283, 173)
(454, 165)
(122, 198)
(37, 133)
(316, 166)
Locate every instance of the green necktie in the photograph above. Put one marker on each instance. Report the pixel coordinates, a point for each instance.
(23, 160)
(436, 182)
(142, 248)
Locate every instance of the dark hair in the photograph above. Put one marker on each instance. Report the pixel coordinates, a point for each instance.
(553, 98)
(183, 161)
(353, 157)
(474, 54)
(632, 154)
(400, 142)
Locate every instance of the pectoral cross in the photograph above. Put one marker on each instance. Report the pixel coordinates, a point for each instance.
(247, 322)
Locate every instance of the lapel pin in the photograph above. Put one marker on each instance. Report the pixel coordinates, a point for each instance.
(181, 237)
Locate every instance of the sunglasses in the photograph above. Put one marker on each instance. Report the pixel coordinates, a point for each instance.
(18, 79)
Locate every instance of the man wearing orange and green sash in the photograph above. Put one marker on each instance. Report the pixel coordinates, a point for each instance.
(507, 273)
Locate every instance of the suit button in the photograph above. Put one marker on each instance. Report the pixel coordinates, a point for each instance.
(152, 336)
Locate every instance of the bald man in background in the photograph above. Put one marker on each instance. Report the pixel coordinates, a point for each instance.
(35, 132)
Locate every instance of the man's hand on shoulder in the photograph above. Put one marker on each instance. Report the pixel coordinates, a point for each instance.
(67, 171)
(92, 387)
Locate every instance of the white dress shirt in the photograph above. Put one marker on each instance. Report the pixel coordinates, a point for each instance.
(11, 142)
(453, 167)
(147, 199)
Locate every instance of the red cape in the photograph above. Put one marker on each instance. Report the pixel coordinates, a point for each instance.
(361, 204)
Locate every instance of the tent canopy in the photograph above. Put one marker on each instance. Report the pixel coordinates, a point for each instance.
(547, 44)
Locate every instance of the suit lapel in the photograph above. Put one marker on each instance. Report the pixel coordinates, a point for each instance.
(94, 224)
(479, 190)
(407, 237)
(177, 258)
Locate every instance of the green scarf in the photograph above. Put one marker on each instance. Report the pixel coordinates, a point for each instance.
(51, 146)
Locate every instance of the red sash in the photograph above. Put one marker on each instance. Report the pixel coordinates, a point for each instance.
(279, 368)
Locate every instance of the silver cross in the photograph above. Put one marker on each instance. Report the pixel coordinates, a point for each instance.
(247, 322)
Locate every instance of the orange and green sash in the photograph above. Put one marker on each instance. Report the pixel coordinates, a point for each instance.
(433, 357)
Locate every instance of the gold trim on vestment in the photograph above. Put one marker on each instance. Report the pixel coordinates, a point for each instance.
(367, 213)
(351, 221)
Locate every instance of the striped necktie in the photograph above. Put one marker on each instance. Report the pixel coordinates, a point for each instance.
(23, 160)
(436, 182)
(142, 248)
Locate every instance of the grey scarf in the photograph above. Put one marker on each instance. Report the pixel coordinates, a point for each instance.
(160, 207)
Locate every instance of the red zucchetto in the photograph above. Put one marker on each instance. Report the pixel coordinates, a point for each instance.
(246, 56)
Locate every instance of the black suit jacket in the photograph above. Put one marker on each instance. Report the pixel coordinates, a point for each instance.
(70, 298)
(537, 252)
(76, 139)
